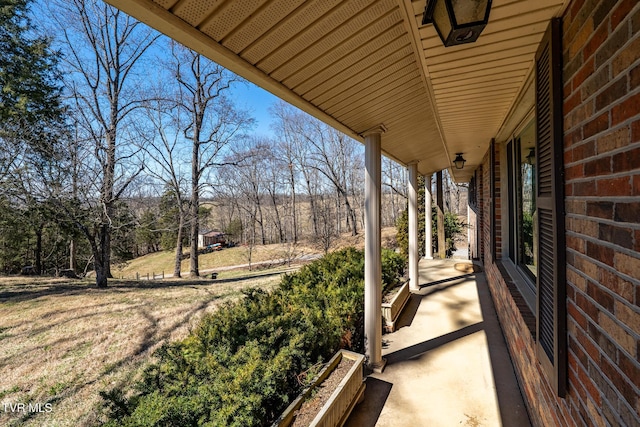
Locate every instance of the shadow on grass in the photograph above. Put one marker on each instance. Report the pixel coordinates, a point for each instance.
(27, 291)
(135, 359)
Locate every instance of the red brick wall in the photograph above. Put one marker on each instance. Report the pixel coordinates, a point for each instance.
(601, 49)
(544, 408)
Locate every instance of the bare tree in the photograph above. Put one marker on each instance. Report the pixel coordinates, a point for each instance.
(285, 148)
(276, 179)
(212, 123)
(326, 215)
(291, 126)
(394, 180)
(163, 146)
(104, 48)
(334, 156)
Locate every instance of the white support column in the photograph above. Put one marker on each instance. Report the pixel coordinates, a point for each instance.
(428, 244)
(414, 284)
(372, 253)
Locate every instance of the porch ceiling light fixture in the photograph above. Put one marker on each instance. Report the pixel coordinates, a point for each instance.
(531, 157)
(459, 161)
(457, 21)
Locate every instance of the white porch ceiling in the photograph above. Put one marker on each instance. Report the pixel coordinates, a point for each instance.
(356, 64)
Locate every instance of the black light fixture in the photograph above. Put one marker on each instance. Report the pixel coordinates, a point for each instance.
(459, 161)
(531, 157)
(457, 21)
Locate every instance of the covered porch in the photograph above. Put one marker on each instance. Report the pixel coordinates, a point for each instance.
(447, 363)
(374, 71)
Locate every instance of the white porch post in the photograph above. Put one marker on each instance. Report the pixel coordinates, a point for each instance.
(428, 244)
(413, 226)
(372, 255)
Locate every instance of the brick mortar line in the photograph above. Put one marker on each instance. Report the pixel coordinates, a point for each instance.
(604, 288)
(604, 243)
(607, 109)
(602, 396)
(611, 79)
(612, 199)
(611, 175)
(592, 97)
(614, 55)
(634, 226)
(602, 309)
(606, 267)
(614, 342)
(591, 340)
(619, 150)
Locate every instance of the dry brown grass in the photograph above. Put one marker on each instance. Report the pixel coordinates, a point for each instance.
(64, 341)
(387, 235)
(164, 261)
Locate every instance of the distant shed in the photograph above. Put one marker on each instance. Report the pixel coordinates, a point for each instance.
(211, 238)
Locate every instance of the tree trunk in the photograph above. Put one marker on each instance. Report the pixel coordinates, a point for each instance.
(195, 199)
(351, 214)
(195, 229)
(96, 250)
(38, 253)
(107, 197)
(314, 207)
(72, 255)
(293, 208)
(278, 221)
(339, 215)
(178, 257)
(103, 253)
(261, 222)
(101, 276)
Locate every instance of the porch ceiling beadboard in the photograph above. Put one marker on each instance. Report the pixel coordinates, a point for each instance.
(356, 64)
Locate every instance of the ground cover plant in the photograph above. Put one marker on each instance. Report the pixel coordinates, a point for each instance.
(63, 341)
(242, 364)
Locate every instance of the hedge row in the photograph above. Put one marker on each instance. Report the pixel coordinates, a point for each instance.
(241, 366)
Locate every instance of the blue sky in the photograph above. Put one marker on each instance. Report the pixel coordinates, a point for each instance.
(258, 102)
(246, 96)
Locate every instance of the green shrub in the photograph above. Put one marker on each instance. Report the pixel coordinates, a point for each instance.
(453, 232)
(240, 365)
(393, 267)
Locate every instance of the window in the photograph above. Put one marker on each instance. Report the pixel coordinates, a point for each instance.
(521, 167)
(535, 203)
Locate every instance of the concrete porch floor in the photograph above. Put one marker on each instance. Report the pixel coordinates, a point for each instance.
(447, 362)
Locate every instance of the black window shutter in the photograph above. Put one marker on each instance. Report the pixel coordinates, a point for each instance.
(551, 281)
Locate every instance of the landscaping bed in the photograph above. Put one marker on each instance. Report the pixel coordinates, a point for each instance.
(331, 396)
(240, 365)
(322, 392)
(392, 305)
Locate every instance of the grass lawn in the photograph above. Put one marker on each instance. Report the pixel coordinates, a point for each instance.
(164, 261)
(65, 341)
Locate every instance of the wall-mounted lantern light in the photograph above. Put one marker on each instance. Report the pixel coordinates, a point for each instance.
(531, 157)
(457, 21)
(459, 161)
